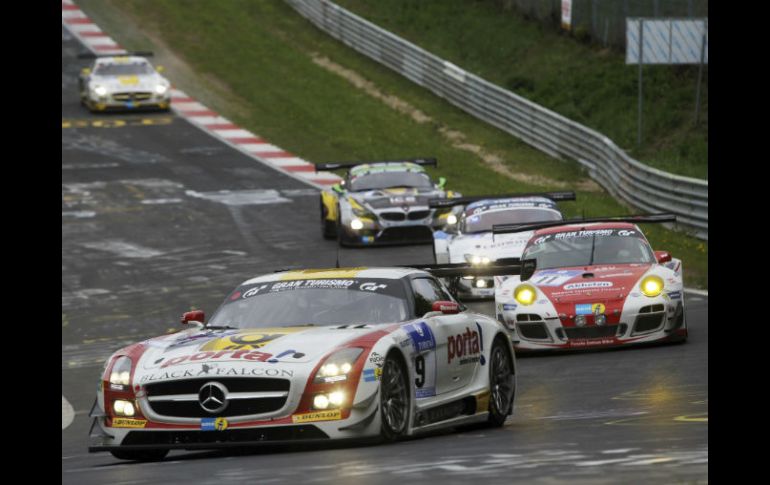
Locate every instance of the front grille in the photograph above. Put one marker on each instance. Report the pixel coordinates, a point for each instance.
(411, 233)
(277, 433)
(602, 331)
(648, 322)
(393, 216)
(533, 331)
(417, 215)
(132, 96)
(235, 407)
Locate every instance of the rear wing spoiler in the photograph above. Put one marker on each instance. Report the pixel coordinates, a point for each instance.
(502, 267)
(444, 203)
(641, 218)
(347, 165)
(91, 55)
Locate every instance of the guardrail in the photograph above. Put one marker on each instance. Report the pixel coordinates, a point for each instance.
(628, 180)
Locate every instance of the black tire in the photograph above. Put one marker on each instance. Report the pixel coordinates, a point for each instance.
(328, 228)
(502, 387)
(395, 405)
(140, 455)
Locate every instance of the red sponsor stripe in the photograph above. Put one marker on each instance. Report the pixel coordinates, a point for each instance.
(107, 48)
(277, 155)
(67, 6)
(205, 112)
(246, 139)
(299, 168)
(93, 34)
(79, 20)
(223, 126)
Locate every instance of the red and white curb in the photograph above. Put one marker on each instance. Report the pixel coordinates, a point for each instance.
(199, 115)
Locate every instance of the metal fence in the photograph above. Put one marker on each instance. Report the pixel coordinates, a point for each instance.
(604, 21)
(628, 180)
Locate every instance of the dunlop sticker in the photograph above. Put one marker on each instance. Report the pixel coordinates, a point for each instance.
(317, 416)
(128, 423)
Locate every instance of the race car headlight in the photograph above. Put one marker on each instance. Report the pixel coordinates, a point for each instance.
(356, 224)
(161, 89)
(651, 285)
(337, 366)
(123, 407)
(451, 219)
(477, 259)
(525, 294)
(121, 372)
(100, 90)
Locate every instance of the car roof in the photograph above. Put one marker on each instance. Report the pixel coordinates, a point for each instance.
(392, 273)
(593, 226)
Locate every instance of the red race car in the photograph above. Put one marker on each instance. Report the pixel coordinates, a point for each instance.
(598, 283)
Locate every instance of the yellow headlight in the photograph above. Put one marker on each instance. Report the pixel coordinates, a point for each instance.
(525, 294)
(651, 285)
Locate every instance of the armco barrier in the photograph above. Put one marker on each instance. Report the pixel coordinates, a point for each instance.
(628, 180)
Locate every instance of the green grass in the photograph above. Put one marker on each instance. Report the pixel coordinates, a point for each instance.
(252, 62)
(587, 83)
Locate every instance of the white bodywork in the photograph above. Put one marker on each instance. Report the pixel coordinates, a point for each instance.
(448, 373)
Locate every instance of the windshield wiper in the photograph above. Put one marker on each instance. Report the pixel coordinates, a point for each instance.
(593, 247)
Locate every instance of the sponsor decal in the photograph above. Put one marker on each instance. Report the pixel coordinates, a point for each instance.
(591, 342)
(587, 285)
(552, 277)
(371, 375)
(317, 416)
(128, 423)
(213, 424)
(248, 340)
(252, 355)
(464, 346)
(421, 336)
(424, 392)
(371, 286)
(376, 359)
(293, 353)
(589, 309)
(482, 401)
(675, 295)
(367, 239)
(250, 292)
(217, 371)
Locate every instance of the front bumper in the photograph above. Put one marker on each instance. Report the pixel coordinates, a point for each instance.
(131, 102)
(374, 234)
(656, 322)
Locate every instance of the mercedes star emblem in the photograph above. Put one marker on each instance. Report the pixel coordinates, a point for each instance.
(213, 397)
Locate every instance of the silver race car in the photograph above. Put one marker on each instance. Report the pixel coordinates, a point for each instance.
(123, 82)
(383, 202)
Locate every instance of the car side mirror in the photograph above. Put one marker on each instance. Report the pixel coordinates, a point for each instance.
(446, 307)
(662, 256)
(85, 71)
(441, 182)
(193, 316)
(160, 68)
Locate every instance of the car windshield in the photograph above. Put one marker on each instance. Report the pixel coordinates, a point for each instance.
(589, 247)
(132, 69)
(313, 302)
(384, 180)
(484, 222)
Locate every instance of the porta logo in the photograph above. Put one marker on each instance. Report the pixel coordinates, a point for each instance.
(464, 344)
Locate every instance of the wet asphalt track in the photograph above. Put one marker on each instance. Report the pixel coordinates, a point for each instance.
(146, 234)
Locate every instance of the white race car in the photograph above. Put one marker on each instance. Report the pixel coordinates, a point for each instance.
(598, 284)
(469, 238)
(309, 355)
(126, 82)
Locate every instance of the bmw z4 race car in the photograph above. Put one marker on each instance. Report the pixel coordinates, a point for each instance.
(598, 283)
(469, 239)
(309, 355)
(383, 203)
(126, 82)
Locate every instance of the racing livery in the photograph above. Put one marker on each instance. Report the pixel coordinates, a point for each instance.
(383, 203)
(125, 82)
(469, 239)
(598, 283)
(309, 355)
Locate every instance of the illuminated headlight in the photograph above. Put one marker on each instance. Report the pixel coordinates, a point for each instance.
(161, 89)
(121, 372)
(356, 224)
(525, 294)
(337, 366)
(476, 259)
(481, 283)
(123, 408)
(451, 219)
(321, 401)
(336, 398)
(651, 285)
(100, 90)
